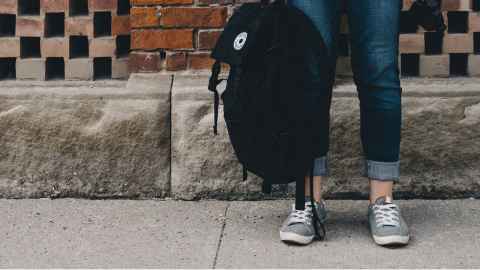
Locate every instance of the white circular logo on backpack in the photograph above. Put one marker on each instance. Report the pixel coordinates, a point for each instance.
(240, 41)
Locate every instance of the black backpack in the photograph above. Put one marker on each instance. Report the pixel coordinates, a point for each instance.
(270, 112)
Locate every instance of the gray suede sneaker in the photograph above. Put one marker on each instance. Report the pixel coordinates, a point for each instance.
(298, 228)
(386, 223)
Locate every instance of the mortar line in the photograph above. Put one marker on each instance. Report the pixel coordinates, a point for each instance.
(220, 238)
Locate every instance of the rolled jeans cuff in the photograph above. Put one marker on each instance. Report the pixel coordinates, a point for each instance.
(320, 167)
(382, 171)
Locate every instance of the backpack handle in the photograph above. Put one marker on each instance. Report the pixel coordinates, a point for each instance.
(212, 86)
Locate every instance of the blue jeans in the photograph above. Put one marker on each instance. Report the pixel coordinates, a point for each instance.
(373, 32)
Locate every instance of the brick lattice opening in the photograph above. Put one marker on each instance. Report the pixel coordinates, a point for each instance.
(343, 46)
(458, 64)
(123, 7)
(102, 68)
(433, 43)
(407, 25)
(102, 24)
(78, 7)
(476, 5)
(476, 42)
(7, 25)
(55, 25)
(78, 46)
(30, 47)
(7, 68)
(457, 22)
(123, 46)
(28, 7)
(55, 68)
(410, 64)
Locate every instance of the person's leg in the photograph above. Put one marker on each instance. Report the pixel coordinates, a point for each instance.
(325, 14)
(374, 30)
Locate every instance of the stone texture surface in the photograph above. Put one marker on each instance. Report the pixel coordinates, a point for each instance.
(203, 165)
(91, 140)
(440, 151)
(105, 139)
(440, 146)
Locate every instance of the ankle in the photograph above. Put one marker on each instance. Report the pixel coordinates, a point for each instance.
(379, 188)
(316, 199)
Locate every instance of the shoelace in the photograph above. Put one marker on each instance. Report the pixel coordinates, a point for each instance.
(387, 215)
(302, 216)
(306, 216)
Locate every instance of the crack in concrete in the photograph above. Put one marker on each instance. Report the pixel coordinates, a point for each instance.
(220, 239)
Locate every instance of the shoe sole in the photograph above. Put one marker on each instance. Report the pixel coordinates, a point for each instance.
(391, 240)
(295, 238)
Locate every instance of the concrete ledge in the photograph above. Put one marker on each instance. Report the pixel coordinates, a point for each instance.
(85, 141)
(440, 147)
(152, 137)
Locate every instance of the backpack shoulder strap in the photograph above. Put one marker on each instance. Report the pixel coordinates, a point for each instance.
(212, 86)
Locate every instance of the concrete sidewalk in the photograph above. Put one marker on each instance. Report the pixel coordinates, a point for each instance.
(241, 234)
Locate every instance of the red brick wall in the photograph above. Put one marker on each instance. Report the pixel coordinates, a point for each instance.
(177, 35)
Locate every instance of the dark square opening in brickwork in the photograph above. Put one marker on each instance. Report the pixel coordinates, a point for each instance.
(433, 42)
(407, 25)
(123, 7)
(55, 68)
(457, 21)
(29, 47)
(102, 68)
(476, 5)
(343, 46)
(476, 42)
(78, 7)
(458, 64)
(102, 24)
(7, 25)
(55, 25)
(78, 46)
(123, 46)
(28, 7)
(7, 68)
(410, 64)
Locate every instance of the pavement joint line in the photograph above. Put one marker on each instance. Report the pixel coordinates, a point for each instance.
(222, 231)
